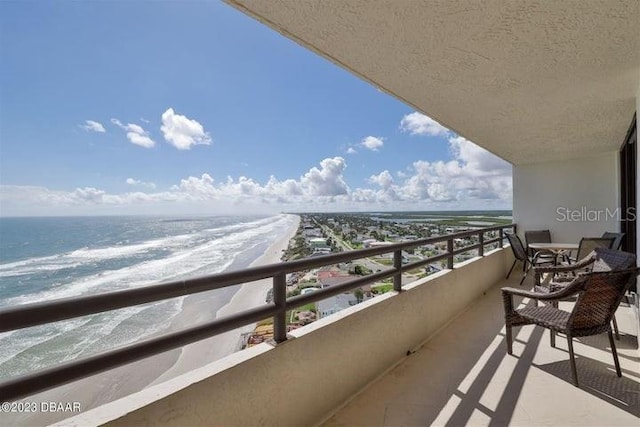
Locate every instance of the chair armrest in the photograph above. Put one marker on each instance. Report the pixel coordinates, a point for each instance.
(571, 289)
(566, 268)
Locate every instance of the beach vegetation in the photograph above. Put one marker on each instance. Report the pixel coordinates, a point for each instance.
(381, 289)
(360, 270)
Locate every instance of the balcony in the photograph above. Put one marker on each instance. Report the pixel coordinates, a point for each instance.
(463, 376)
(433, 353)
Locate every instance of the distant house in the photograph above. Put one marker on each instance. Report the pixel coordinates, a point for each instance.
(335, 304)
(376, 244)
(318, 242)
(325, 250)
(327, 279)
(367, 242)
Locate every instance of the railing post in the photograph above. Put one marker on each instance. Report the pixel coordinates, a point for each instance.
(397, 264)
(481, 248)
(501, 234)
(280, 300)
(450, 250)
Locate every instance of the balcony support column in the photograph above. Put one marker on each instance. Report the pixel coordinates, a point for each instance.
(397, 264)
(280, 300)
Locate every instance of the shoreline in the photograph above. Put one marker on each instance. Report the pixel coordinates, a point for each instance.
(249, 295)
(101, 388)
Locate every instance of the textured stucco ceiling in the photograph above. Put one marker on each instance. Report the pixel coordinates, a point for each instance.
(530, 81)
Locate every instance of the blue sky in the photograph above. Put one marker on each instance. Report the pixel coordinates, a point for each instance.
(193, 107)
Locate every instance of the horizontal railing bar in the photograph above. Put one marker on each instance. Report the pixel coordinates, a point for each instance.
(28, 315)
(325, 293)
(422, 262)
(494, 240)
(39, 313)
(45, 379)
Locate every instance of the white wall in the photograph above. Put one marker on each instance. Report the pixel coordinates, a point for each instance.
(573, 199)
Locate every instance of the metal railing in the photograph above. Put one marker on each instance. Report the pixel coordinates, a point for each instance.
(29, 315)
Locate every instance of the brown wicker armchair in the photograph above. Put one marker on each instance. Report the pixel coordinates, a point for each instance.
(601, 259)
(598, 296)
(555, 278)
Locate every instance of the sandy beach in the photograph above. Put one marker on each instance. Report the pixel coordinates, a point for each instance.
(196, 309)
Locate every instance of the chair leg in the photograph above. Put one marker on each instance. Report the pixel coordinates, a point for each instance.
(509, 339)
(615, 354)
(511, 269)
(574, 372)
(615, 327)
(552, 337)
(525, 270)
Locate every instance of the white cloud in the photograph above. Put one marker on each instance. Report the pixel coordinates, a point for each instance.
(138, 183)
(472, 179)
(136, 134)
(182, 132)
(372, 143)
(419, 124)
(383, 179)
(326, 181)
(351, 150)
(93, 126)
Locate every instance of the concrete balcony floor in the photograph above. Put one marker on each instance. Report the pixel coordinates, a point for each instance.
(463, 376)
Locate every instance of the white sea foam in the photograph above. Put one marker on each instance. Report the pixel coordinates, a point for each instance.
(206, 252)
(78, 257)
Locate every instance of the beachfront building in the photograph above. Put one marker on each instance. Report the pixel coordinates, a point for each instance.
(335, 304)
(551, 87)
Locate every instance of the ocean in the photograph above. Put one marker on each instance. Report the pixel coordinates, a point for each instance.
(43, 259)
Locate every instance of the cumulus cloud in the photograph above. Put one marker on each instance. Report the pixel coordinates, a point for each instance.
(383, 179)
(136, 134)
(472, 178)
(182, 132)
(476, 158)
(351, 150)
(419, 124)
(93, 126)
(372, 143)
(326, 181)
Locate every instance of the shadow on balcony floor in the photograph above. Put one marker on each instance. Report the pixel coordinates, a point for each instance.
(463, 376)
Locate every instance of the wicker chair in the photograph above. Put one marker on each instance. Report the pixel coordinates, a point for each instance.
(598, 296)
(520, 254)
(555, 278)
(617, 239)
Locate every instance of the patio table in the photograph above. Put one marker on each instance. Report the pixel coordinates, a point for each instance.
(556, 248)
